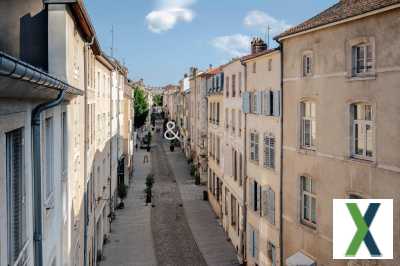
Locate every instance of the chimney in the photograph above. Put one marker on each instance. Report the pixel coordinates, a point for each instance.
(258, 45)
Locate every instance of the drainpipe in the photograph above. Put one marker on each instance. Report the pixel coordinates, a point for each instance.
(37, 178)
(281, 168)
(86, 208)
(245, 174)
(111, 157)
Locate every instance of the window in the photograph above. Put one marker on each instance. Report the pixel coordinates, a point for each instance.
(270, 64)
(240, 169)
(253, 242)
(49, 161)
(226, 119)
(218, 149)
(254, 139)
(308, 125)
(226, 200)
(64, 153)
(269, 151)
(15, 191)
(254, 103)
(308, 201)
(255, 196)
(363, 131)
(268, 204)
(227, 87)
(307, 65)
(233, 211)
(233, 118)
(240, 123)
(254, 67)
(234, 164)
(217, 113)
(240, 83)
(362, 59)
(233, 85)
(271, 250)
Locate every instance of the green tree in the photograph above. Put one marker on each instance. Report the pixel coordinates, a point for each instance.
(141, 107)
(158, 100)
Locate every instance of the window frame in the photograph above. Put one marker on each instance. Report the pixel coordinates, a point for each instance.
(254, 144)
(307, 64)
(304, 118)
(310, 195)
(364, 123)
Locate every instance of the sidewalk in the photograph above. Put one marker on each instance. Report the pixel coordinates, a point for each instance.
(208, 233)
(131, 237)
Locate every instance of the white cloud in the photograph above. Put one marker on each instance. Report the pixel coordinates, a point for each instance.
(168, 13)
(260, 20)
(233, 45)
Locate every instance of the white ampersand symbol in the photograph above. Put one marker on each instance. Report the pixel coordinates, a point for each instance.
(170, 130)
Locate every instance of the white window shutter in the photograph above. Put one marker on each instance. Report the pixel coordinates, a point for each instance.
(246, 102)
(271, 206)
(277, 103)
(264, 202)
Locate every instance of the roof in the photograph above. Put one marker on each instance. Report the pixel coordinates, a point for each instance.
(252, 56)
(21, 80)
(342, 10)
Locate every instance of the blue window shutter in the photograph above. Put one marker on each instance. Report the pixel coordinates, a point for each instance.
(259, 101)
(277, 103)
(246, 102)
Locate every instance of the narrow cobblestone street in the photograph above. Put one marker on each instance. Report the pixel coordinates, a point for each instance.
(181, 228)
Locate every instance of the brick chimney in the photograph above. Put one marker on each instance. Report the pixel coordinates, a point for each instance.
(258, 45)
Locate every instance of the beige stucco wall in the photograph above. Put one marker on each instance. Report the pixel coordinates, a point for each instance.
(336, 174)
(262, 80)
(234, 140)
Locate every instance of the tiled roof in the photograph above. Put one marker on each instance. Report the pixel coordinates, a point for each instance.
(251, 56)
(344, 9)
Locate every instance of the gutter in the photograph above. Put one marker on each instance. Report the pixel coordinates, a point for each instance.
(16, 69)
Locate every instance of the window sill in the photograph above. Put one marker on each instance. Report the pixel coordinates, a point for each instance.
(364, 161)
(361, 77)
(307, 151)
(309, 226)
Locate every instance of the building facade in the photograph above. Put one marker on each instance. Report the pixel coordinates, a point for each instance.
(216, 133)
(261, 105)
(340, 122)
(233, 154)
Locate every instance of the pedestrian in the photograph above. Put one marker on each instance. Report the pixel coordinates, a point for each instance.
(145, 159)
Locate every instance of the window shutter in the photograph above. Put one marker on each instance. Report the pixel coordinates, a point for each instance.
(369, 57)
(246, 102)
(251, 194)
(264, 202)
(256, 244)
(258, 104)
(277, 103)
(267, 102)
(271, 206)
(222, 80)
(258, 198)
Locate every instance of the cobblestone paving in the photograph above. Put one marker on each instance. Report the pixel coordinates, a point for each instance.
(173, 240)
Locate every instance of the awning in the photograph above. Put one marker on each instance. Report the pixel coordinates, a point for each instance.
(299, 259)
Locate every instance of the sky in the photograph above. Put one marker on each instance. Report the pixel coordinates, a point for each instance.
(159, 40)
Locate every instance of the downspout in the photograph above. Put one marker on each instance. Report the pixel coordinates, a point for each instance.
(37, 178)
(281, 168)
(86, 209)
(244, 161)
(111, 157)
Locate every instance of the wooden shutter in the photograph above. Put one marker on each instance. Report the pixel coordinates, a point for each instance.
(259, 101)
(246, 102)
(264, 202)
(277, 103)
(271, 206)
(267, 102)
